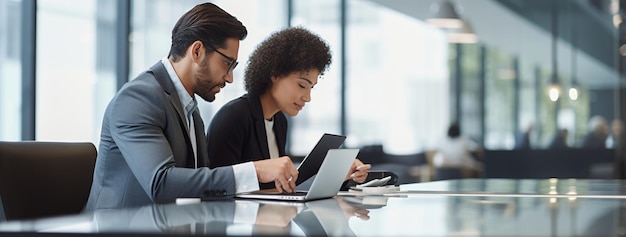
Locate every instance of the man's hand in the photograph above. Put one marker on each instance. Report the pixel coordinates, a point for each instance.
(280, 170)
(358, 171)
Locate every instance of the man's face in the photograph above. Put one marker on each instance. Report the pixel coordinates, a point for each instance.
(213, 72)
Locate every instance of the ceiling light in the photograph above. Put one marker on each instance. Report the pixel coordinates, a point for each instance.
(554, 91)
(617, 20)
(573, 93)
(464, 35)
(445, 15)
(573, 90)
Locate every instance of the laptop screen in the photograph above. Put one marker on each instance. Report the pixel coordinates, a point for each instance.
(312, 162)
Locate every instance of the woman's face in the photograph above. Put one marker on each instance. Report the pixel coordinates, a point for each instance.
(292, 92)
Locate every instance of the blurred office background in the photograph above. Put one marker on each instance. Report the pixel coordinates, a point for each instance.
(396, 79)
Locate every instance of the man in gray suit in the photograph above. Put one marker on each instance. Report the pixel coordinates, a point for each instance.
(152, 144)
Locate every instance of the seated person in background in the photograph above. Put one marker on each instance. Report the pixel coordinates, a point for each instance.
(280, 75)
(522, 141)
(152, 147)
(617, 132)
(598, 133)
(454, 155)
(559, 141)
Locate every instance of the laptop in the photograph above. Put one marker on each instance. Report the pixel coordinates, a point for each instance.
(326, 183)
(312, 161)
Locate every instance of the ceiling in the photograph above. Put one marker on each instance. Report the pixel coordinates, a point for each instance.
(524, 28)
(587, 24)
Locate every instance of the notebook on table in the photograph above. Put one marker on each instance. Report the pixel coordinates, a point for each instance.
(326, 183)
(312, 161)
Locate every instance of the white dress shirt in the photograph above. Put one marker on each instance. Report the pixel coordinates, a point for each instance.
(245, 173)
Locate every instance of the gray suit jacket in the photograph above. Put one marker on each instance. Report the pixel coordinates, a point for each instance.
(168, 218)
(145, 155)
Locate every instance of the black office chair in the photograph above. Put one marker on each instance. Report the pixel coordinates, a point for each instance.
(41, 179)
(448, 173)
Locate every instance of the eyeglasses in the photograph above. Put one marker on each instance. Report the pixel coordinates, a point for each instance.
(231, 65)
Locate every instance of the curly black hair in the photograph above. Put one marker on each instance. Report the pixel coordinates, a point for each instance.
(284, 52)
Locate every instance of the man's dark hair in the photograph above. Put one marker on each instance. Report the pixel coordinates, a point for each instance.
(284, 52)
(208, 23)
(454, 130)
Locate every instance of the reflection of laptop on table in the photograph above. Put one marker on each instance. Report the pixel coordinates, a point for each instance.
(312, 162)
(326, 184)
(323, 218)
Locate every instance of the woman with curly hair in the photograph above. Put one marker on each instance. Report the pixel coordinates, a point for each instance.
(279, 77)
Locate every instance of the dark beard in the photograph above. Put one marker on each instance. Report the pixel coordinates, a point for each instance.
(205, 83)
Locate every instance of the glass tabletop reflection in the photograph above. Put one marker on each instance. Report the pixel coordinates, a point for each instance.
(443, 214)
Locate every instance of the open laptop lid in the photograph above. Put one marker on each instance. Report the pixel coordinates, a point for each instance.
(326, 183)
(332, 173)
(312, 162)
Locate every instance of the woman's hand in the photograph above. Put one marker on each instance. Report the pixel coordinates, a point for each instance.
(358, 171)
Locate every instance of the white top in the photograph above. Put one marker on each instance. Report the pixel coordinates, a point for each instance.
(456, 153)
(271, 138)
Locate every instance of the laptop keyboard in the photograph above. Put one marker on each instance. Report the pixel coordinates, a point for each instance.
(297, 193)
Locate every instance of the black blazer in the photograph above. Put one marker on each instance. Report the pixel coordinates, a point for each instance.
(236, 133)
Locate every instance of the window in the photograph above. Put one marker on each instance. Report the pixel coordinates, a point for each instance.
(499, 100)
(527, 100)
(323, 113)
(397, 84)
(10, 70)
(471, 89)
(73, 82)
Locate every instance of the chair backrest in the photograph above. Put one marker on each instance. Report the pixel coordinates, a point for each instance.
(41, 179)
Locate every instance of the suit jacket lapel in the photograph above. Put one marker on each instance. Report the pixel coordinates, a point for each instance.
(259, 124)
(201, 142)
(163, 78)
(168, 86)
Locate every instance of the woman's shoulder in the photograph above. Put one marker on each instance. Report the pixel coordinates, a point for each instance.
(238, 105)
(234, 109)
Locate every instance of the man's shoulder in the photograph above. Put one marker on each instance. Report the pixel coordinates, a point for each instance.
(143, 81)
(142, 88)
